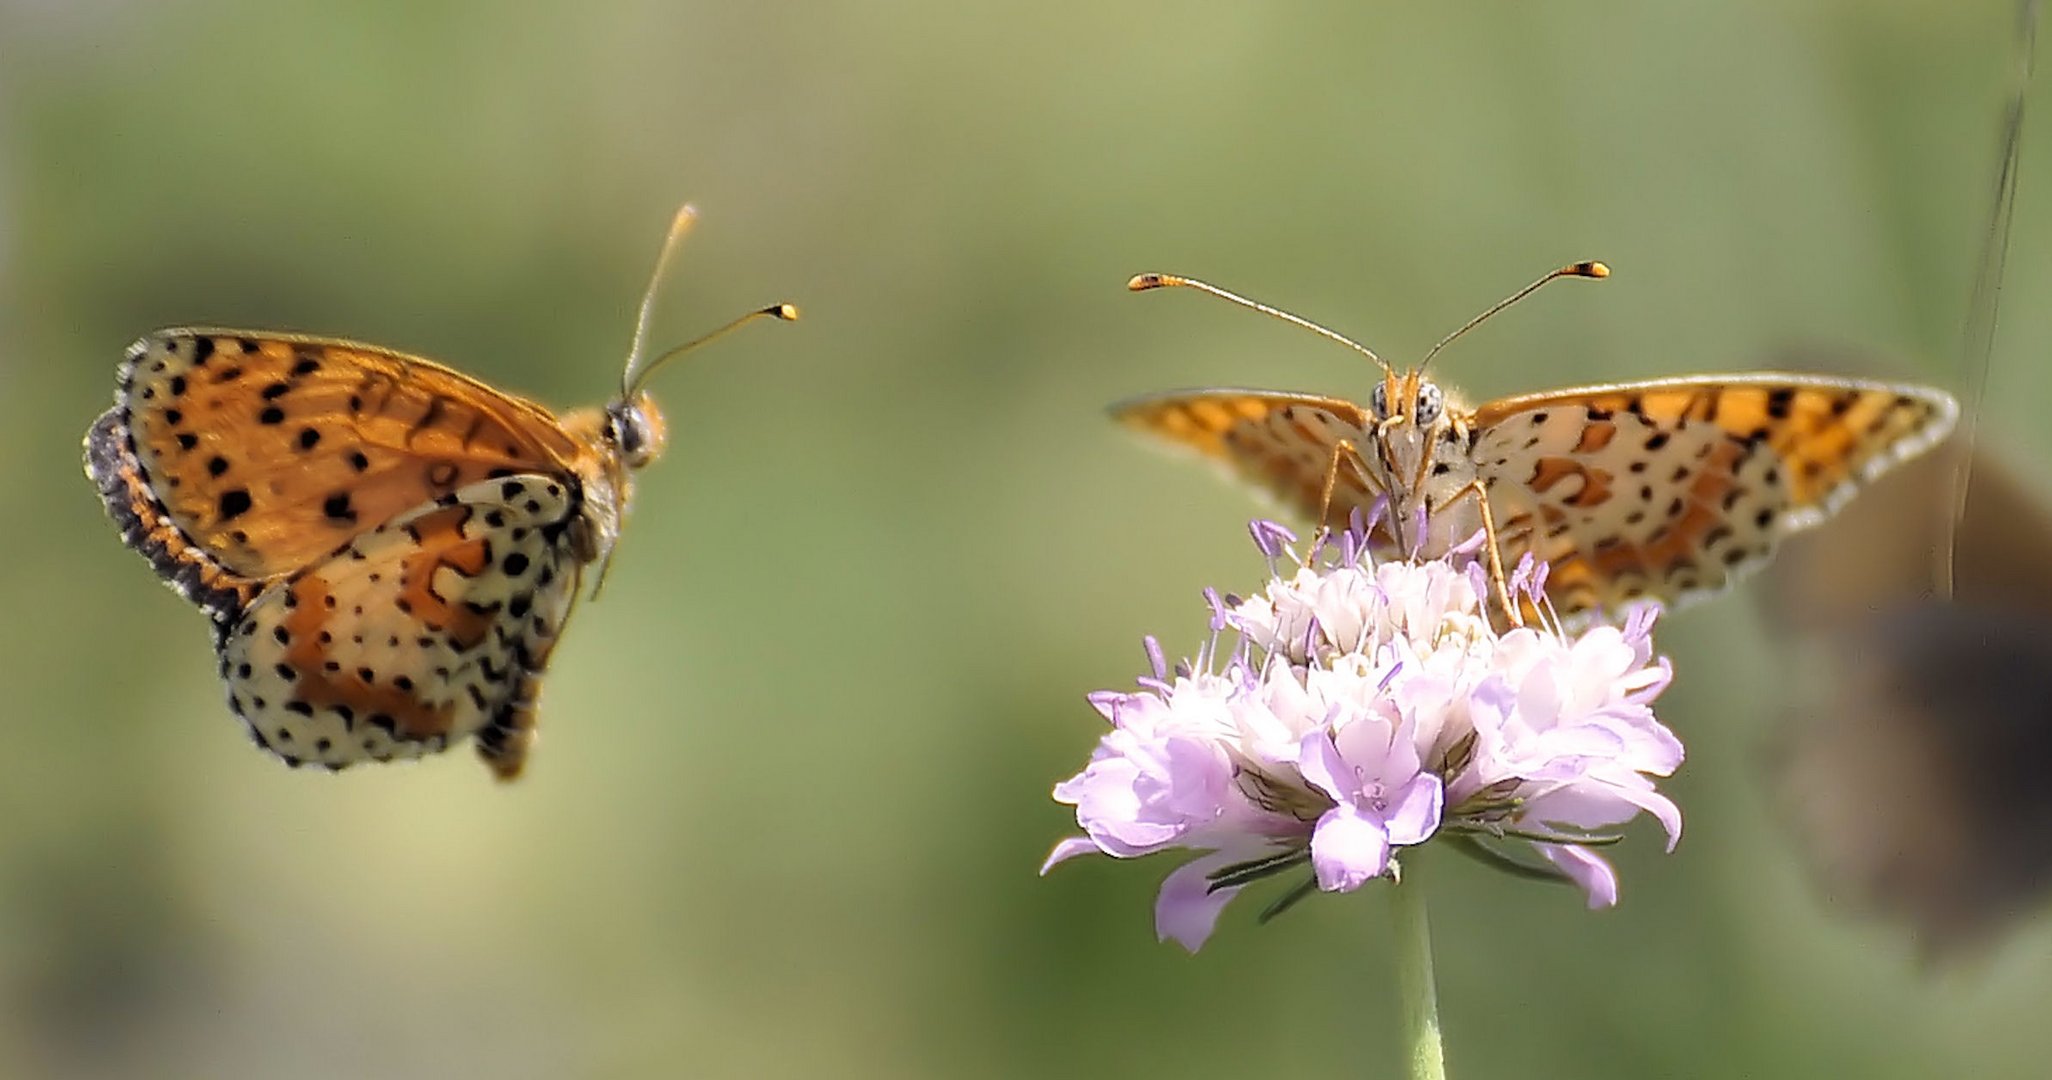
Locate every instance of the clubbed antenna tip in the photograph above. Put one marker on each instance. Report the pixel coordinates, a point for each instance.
(1144, 282)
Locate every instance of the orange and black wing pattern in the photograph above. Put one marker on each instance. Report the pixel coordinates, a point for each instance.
(233, 457)
(1283, 444)
(1674, 488)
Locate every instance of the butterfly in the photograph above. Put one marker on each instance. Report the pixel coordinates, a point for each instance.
(1667, 490)
(1906, 685)
(387, 548)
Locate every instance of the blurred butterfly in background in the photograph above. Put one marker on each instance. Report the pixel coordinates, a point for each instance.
(387, 548)
(1911, 758)
(1667, 490)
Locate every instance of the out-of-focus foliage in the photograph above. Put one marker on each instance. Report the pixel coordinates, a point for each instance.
(793, 784)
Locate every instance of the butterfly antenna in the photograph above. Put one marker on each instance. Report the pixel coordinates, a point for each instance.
(687, 215)
(785, 312)
(1580, 269)
(639, 368)
(630, 384)
(1144, 282)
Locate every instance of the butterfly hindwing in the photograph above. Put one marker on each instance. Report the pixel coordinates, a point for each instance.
(432, 627)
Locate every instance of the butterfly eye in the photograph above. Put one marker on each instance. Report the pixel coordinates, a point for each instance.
(1378, 402)
(638, 431)
(1430, 403)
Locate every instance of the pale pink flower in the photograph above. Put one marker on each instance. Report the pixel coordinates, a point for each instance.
(1367, 707)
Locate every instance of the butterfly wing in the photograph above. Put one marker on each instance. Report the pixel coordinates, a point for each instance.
(1674, 488)
(231, 457)
(112, 462)
(1282, 444)
(434, 626)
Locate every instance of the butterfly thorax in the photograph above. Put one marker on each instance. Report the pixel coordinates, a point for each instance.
(616, 441)
(1418, 457)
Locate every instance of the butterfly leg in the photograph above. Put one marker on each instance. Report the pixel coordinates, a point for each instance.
(1499, 582)
(1341, 450)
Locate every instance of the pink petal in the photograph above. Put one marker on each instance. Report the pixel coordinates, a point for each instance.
(1187, 908)
(1106, 702)
(1414, 815)
(1661, 807)
(1067, 849)
(1585, 868)
(1348, 847)
(1322, 767)
(1599, 802)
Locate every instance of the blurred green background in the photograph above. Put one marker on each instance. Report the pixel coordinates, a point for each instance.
(793, 789)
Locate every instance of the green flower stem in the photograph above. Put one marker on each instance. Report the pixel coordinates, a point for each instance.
(1414, 981)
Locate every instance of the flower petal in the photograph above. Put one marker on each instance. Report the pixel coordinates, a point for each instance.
(1413, 815)
(1604, 800)
(1587, 869)
(1349, 846)
(1187, 907)
(1323, 768)
(1068, 848)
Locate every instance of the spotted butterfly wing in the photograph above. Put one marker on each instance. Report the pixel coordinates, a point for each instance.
(259, 453)
(432, 627)
(1675, 488)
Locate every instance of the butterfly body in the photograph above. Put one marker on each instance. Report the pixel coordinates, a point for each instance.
(1667, 490)
(388, 549)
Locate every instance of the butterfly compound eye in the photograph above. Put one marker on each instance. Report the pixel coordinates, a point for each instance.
(1431, 403)
(1378, 402)
(638, 427)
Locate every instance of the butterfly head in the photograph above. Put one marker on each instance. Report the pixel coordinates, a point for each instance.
(635, 431)
(1404, 399)
(1407, 416)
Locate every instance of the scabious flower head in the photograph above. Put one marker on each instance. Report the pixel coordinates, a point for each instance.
(1365, 707)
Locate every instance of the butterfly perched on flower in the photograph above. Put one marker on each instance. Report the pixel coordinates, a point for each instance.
(387, 548)
(1668, 490)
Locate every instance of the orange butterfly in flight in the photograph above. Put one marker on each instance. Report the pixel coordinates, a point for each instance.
(1669, 490)
(388, 549)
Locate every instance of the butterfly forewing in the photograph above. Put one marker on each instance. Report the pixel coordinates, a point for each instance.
(268, 451)
(1828, 434)
(1282, 444)
(146, 525)
(425, 630)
